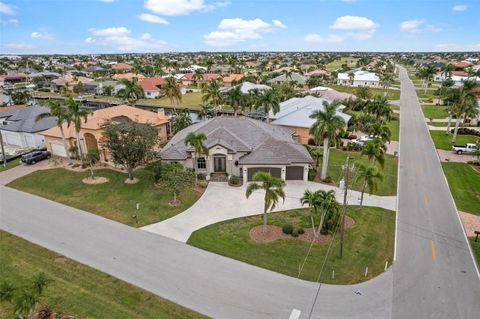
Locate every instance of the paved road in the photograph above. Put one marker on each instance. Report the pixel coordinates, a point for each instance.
(434, 275)
(211, 284)
(209, 209)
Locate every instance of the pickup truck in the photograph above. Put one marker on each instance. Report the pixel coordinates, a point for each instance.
(362, 140)
(33, 157)
(467, 148)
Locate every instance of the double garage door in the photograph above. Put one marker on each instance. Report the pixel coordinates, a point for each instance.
(12, 138)
(292, 173)
(58, 150)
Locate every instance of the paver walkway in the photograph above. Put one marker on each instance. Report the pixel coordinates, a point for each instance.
(222, 202)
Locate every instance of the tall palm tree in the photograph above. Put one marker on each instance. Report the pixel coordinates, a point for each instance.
(386, 79)
(312, 199)
(270, 102)
(380, 107)
(447, 71)
(211, 93)
(205, 110)
(198, 75)
(326, 126)
(426, 74)
(235, 98)
(75, 115)
(172, 91)
(330, 209)
(197, 142)
(63, 116)
(466, 103)
(132, 91)
(370, 176)
(319, 199)
(273, 187)
(380, 130)
(375, 151)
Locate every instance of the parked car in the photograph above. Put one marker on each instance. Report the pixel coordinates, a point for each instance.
(362, 140)
(33, 157)
(467, 148)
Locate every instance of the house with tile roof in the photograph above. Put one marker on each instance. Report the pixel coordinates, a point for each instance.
(122, 67)
(91, 132)
(188, 78)
(151, 87)
(232, 79)
(241, 146)
(128, 76)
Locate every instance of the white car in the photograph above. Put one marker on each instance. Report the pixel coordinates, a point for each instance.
(362, 140)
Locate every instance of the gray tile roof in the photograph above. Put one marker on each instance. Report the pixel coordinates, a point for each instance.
(264, 143)
(300, 79)
(23, 120)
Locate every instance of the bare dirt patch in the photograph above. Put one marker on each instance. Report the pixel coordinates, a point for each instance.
(131, 181)
(95, 181)
(174, 203)
(274, 233)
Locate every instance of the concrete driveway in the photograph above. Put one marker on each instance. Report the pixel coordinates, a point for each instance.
(449, 156)
(19, 171)
(222, 202)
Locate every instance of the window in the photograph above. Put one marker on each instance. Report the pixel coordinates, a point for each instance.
(201, 163)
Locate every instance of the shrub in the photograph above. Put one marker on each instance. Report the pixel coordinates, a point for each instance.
(311, 141)
(466, 131)
(287, 229)
(311, 174)
(295, 233)
(201, 176)
(202, 183)
(234, 180)
(301, 231)
(328, 180)
(55, 161)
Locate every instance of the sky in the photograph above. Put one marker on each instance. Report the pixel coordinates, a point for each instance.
(117, 26)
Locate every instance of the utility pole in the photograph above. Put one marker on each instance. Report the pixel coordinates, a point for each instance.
(344, 208)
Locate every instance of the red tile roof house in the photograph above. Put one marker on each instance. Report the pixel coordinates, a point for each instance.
(232, 79)
(15, 78)
(187, 79)
(151, 87)
(122, 67)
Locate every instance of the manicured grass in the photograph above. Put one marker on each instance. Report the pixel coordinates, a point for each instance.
(438, 124)
(368, 244)
(387, 187)
(464, 184)
(444, 141)
(190, 100)
(475, 248)
(431, 111)
(392, 94)
(114, 199)
(428, 95)
(77, 289)
(337, 64)
(9, 165)
(394, 126)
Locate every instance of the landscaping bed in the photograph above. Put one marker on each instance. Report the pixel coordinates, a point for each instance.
(77, 289)
(114, 199)
(464, 184)
(369, 243)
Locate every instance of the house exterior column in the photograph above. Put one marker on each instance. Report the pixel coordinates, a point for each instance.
(245, 174)
(305, 173)
(283, 173)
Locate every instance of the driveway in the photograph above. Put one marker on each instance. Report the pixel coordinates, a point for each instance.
(222, 202)
(449, 156)
(19, 171)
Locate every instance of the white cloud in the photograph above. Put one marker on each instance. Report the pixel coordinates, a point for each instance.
(6, 9)
(232, 31)
(119, 38)
(107, 1)
(9, 22)
(457, 47)
(41, 35)
(279, 24)
(181, 7)
(460, 7)
(152, 18)
(417, 26)
(316, 38)
(353, 23)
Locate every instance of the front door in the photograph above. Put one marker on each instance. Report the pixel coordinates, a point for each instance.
(219, 164)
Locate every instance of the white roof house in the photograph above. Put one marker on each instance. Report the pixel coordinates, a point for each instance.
(246, 87)
(361, 78)
(296, 112)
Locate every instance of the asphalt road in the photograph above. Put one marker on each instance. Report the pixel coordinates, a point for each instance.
(434, 275)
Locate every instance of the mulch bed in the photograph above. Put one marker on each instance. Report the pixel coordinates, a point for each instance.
(95, 181)
(274, 233)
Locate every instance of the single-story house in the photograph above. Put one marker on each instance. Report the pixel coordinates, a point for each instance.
(295, 115)
(330, 94)
(360, 78)
(317, 73)
(232, 79)
(68, 81)
(151, 87)
(99, 87)
(91, 131)
(13, 78)
(297, 77)
(128, 76)
(122, 67)
(246, 87)
(19, 127)
(188, 78)
(241, 146)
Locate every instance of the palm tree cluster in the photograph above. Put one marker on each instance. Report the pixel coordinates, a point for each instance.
(426, 74)
(321, 203)
(132, 91)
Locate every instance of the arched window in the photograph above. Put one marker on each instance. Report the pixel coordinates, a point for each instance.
(201, 163)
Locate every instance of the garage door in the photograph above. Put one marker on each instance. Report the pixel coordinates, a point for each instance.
(274, 171)
(13, 139)
(294, 173)
(58, 150)
(30, 141)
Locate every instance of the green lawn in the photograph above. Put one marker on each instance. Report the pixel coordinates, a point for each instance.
(114, 199)
(387, 187)
(429, 95)
(337, 64)
(369, 243)
(9, 165)
(394, 126)
(77, 289)
(392, 94)
(431, 111)
(189, 100)
(476, 249)
(444, 141)
(464, 184)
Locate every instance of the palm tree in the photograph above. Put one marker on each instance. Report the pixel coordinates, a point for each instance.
(387, 79)
(270, 102)
(370, 176)
(447, 70)
(132, 91)
(273, 187)
(380, 130)
(466, 103)
(197, 142)
(235, 98)
(211, 93)
(330, 208)
(326, 126)
(380, 107)
(426, 74)
(172, 91)
(363, 92)
(197, 75)
(63, 116)
(312, 199)
(319, 199)
(205, 110)
(75, 116)
(375, 151)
